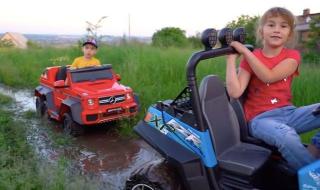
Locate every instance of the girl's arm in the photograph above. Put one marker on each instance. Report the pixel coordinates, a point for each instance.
(236, 83)
(284, 69)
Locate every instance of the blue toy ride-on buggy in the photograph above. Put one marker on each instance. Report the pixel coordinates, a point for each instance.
(204, 141)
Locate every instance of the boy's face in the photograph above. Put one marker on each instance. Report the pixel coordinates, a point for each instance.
(89, 51)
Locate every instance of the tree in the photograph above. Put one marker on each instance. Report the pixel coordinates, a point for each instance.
(195, 41)
(92, 29)
(169, 36)
(313, 42)
(249, 23)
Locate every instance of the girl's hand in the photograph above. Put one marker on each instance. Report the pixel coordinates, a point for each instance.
(240, 48)
(231, 58)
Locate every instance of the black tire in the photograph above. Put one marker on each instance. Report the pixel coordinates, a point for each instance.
(141, 182)
(136, 99)
(71, 127)
(41, 107)
(155, 175)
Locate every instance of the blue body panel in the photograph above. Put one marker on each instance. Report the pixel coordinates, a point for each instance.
(200, 143)
(309, 177)
(196, 141)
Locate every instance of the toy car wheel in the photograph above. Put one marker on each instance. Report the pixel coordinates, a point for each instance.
(41, 107)
(141, 183)
(70, 127)
(155, 175)
(136, 99)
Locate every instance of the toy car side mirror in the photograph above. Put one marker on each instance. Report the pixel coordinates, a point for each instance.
(118, 77)
(59, 84)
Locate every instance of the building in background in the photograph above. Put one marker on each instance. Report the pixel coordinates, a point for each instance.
(303, 25)
(18, 40)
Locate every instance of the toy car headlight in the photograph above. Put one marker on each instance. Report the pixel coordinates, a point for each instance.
(225, 36)
(239, 34)
(128, 96)
(209, 38)
(90, 102)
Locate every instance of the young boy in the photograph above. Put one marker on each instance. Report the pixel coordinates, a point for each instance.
(89, 49)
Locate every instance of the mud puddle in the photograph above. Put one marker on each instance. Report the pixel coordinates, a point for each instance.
(100, 152)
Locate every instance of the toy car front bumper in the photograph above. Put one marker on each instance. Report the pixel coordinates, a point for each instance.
(103, 115)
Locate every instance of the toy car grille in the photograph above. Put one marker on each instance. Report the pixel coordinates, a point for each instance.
(111, 99)
(183, 100)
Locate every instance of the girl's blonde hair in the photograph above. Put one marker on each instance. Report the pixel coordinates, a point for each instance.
(275, 12)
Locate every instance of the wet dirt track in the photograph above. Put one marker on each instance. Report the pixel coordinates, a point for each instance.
(99, 152)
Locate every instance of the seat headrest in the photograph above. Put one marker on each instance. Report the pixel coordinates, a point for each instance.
(211, 86)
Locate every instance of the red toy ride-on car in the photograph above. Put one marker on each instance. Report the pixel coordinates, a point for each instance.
(85, 96)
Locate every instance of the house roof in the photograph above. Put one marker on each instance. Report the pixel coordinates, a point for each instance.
(16, 38)
(303, 21)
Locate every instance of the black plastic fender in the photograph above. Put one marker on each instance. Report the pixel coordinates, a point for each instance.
(188, 164)
(75, 108)
(47, 93)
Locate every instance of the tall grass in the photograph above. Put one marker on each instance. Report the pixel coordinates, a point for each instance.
(20, 168)
(154, 73)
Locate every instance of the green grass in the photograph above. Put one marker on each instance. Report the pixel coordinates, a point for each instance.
(154, 73)
(21, 169)
(5, 100)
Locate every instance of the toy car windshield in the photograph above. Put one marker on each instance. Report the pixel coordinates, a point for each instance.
(91, 74)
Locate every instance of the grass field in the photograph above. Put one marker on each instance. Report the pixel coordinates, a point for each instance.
(20, 168)
(155, 74)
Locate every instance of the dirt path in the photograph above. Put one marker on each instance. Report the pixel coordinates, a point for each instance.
(99, 152)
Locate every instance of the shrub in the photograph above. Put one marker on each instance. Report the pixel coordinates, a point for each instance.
(6, 43)
(169, 36)
(249, 23)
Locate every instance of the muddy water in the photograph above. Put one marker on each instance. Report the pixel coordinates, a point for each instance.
(99, 152)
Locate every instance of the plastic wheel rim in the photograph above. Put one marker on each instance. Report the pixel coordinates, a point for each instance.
(142, 187)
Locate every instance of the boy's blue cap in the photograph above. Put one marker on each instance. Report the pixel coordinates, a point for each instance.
(91, 41)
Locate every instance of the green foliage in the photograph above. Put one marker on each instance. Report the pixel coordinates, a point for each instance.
(22, 169)
(153, 73)
(5, 100)
(249, 23)
(313, 42)
(32, 44)
(195, 41)
(169, 36)
(22, 68)
(6, 43)
(15, 156)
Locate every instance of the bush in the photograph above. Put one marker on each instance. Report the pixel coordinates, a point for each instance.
(6, 43)
(169, 36)
(195, 41)
(249, 23)
(313, 42)
(32, 44)
(312, 45)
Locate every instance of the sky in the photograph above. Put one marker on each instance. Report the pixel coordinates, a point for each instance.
(146, 16)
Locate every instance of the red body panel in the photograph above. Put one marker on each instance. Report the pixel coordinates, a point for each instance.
(101, 100)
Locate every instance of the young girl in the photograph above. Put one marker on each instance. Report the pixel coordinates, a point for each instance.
(267, 74)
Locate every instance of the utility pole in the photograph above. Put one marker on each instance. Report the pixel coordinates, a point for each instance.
(129, 27)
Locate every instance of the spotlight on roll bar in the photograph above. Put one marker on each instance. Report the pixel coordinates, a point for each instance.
(225, 37)
(209, 38)
(239, 34)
